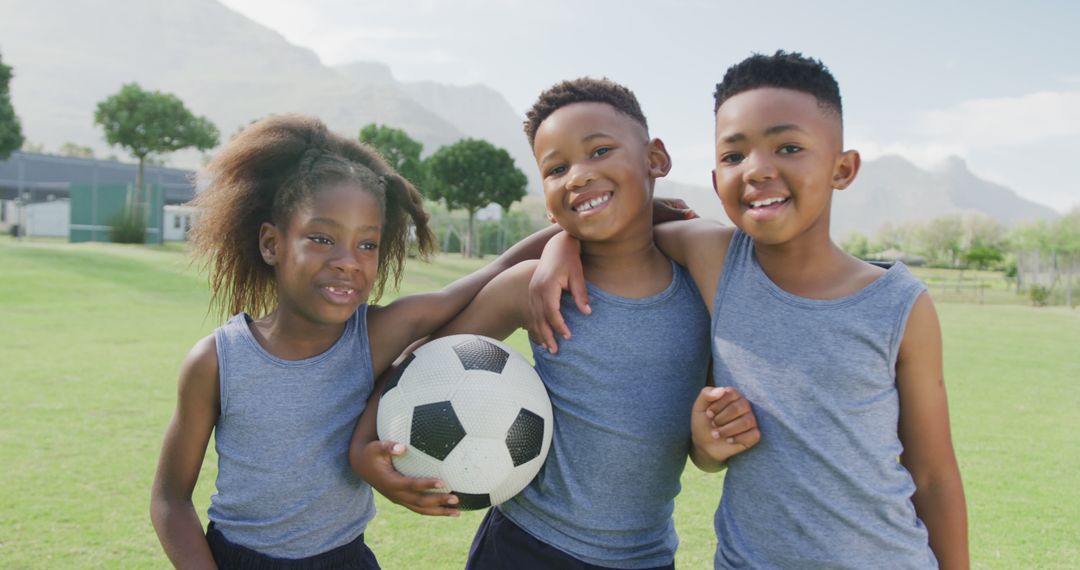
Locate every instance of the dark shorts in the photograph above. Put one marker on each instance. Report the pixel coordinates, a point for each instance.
(500, 545)
(229, 556)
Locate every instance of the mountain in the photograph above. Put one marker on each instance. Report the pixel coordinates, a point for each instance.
(68, 55)
(892, 189)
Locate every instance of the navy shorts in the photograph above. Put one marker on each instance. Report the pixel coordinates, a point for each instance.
(228, 556)
(500, 544)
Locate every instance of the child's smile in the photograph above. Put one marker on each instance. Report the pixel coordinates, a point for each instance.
(327, 255)
(590, 203)
(778, 155)
(595, 166)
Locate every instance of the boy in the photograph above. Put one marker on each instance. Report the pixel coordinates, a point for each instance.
(841, 359)
(623, 388)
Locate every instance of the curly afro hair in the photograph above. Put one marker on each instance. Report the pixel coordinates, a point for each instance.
(582, 90)
(785, 70)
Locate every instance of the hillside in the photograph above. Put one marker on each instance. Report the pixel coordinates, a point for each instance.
(70, 54)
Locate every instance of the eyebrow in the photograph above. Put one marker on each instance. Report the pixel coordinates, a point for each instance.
(335, 224)
(773, 130)
(585, 139)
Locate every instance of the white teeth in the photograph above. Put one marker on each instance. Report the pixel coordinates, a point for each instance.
(767, 202)
(339, 290)
(586, 206)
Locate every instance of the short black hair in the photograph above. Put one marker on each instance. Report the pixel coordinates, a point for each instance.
(785, 70)
(582, 90)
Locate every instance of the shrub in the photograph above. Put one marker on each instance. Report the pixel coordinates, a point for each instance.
(1039, 295)
(127, 228)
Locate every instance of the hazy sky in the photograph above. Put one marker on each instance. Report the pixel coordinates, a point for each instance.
(996, 83)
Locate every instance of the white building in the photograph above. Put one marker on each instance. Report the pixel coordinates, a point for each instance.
(178, 222)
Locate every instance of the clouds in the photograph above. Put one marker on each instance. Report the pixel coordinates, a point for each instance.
(1010, 108)
(989, 123)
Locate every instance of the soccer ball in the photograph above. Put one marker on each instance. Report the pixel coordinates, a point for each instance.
(474, 414)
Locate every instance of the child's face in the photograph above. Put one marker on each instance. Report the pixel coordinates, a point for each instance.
(598, 166)
(778, 159)
(326, 258)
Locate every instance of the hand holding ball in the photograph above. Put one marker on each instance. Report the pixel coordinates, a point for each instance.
(473, 413)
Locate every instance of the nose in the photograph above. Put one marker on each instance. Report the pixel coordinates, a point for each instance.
(579, 177)
(345, 258)
(759, 168)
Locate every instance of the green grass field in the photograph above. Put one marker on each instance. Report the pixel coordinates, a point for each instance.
(91, 337)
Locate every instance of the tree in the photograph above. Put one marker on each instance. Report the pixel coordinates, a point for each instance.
(398, 148)
(940, 239)
(471, 174)
(11, 137)
(76, 150)
(151, 122)
(856, 244)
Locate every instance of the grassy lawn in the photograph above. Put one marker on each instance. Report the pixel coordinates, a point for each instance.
(91, 337)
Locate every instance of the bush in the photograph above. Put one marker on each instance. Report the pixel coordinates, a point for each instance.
(1039, 295)
(127, 228)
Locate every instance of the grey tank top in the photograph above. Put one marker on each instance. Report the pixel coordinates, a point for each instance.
(284, 485)
(621, 392)
(824, 488)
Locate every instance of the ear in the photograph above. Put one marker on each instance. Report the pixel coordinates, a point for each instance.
(847, 167)
(551, 217)
(659, 159)
(268, 242)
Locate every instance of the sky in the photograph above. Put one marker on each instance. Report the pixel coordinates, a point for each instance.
(994, 83)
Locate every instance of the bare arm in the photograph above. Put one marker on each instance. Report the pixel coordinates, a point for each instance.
(699, 245)
(924, 431)
(410, 318)
(171, 509)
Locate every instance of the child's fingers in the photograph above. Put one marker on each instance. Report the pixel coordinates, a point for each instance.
(712, 399)
(540, 323)
(728, 408)
(746, 439)
(551, 320)
(390, 448)
(423, 484)
(432, 504)
(730, 429)
(580, 293)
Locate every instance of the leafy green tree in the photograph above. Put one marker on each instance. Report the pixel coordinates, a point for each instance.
(11, 137)
(941, 240)
(149, 123)
(983, 256)
(76, 150)
(471, 174)
(400, 150)
(856, 244)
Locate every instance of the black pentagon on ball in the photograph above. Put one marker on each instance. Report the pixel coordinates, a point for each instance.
(435, 429)
(473, 501)
(479, 354)
(525, 437)
(395, 375)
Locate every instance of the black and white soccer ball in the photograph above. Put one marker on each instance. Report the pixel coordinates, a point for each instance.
(474, 414)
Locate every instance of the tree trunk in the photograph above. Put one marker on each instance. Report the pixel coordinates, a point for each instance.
(136, 209)
(469, 236)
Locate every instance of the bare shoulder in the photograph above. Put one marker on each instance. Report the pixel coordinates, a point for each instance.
(199, 371)
(701, 246)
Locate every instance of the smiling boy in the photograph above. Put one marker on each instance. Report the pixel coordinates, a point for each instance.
(622, 389)
(841, 359)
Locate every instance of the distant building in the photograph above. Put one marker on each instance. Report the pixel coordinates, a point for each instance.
(178, 222)
(29, 181)
(896, 255)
